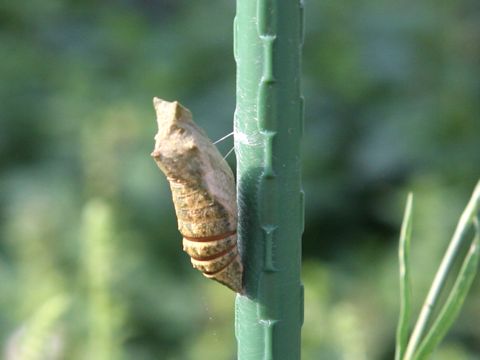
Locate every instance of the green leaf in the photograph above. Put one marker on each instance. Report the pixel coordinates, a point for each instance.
(404, 268)
(460, 237)
(454, 302)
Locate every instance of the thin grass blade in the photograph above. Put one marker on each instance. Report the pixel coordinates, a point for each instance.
(432, 300)
(405, 290)
(454, 302)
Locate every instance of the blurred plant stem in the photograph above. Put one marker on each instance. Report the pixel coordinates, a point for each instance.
(105, 313)
(40, 340)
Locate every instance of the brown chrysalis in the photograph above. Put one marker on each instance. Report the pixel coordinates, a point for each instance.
(203, 192)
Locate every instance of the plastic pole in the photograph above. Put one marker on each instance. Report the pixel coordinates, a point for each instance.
(268, 129)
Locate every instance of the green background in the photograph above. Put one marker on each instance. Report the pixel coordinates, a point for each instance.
(90, 257)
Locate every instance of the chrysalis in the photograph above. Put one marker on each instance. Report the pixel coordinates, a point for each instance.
(203, 192)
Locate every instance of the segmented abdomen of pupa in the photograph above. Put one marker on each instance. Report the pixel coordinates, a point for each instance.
(203, 191)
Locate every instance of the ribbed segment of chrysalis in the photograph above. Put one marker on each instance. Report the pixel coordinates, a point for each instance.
(203, 192)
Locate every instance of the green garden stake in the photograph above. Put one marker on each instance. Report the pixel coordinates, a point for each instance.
(268, 128)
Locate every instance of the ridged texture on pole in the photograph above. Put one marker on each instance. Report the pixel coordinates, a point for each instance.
(203, 191)
(268, 129)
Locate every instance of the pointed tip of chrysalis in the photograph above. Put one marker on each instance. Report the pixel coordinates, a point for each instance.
(167, 110)
(157, 102)
(163, 107)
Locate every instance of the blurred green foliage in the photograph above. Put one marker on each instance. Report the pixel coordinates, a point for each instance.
(392, 105)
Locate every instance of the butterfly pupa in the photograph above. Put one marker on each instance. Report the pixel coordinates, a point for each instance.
(203, 192)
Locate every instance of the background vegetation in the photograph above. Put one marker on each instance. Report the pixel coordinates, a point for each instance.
(91, 265)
